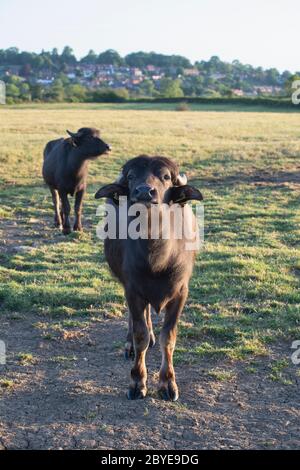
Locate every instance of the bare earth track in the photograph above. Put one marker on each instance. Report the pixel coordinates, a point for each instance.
(71, 393)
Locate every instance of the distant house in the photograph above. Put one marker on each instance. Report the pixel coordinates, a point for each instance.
(45, 81)
(157, 77)
(14, 69)
(137, 72)
(109, 75)
(267, 90)
(88, 73)
(136, 81)
(151, 68)
(191, 72)
(237, 92)
(10, 70)
(218, 76)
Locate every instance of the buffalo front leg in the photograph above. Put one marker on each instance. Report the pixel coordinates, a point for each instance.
(150, 327)
(66, 212)
(56, 203)
(129, 350)
(138, 384)
(168, 389)
(78, 210)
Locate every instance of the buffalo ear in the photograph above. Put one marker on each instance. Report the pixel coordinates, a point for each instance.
(112, 191)
(75, 138)
(182, 194)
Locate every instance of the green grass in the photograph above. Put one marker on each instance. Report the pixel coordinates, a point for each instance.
(221, 375)
(277, 372)
(6, 384)
(156, 106)
(244, 295)
(26, 359)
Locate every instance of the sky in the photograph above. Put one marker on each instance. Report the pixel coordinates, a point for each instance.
(257, 32)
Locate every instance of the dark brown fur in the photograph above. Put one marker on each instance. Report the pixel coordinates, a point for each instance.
(153, 272)
(65, 170)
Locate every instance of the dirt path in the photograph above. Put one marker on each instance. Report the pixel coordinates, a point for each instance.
(71, 394)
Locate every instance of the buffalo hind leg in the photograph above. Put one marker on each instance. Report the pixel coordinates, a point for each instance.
(78, 210)
(138, 384)
(66, 212)
(56, 203)
(168, 389)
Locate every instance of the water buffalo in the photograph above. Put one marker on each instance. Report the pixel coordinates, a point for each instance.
(65, 171)
(154, 272)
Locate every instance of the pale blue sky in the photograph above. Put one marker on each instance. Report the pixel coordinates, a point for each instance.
(259, 32)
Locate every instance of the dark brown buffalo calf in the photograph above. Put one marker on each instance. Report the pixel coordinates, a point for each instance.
(65, 170)
(154, 272)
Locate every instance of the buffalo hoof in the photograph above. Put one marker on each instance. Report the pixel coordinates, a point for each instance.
(169, 392)
(129, 351)
(136, 393)
(66, 230)
(77, 228)
(58, 222)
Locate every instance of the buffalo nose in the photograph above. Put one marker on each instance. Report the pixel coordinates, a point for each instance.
(108, 147)
(145, 192)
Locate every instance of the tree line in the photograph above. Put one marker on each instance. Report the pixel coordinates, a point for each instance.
(54, 61)
(214, 77)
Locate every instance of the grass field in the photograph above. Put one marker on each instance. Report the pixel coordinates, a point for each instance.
(244, 298)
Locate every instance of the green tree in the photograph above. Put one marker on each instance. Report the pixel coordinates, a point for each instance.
(25, 93)
(147, 88)
(56, 91)
(109, 95)
(37, 92)
(123, 93)
(67, 57)
(90, 58)
(75, 93)
(110, 57)
(141, 59)
(273, 77)
(171, 88)
(12, 91)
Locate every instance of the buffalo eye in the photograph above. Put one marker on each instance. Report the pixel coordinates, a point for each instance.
(130, 176)
(167, 177)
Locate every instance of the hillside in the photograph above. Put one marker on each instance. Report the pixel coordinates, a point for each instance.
(54, 77)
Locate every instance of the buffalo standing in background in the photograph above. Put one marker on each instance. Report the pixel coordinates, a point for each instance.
(65, 171)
